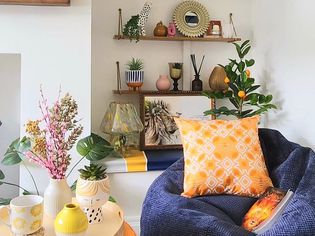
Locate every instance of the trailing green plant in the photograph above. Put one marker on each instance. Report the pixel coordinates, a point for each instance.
(242, 92)
(132, 29)
(135, 64)
(93, 172)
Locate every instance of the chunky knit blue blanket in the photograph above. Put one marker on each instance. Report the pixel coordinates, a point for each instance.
(166, 213)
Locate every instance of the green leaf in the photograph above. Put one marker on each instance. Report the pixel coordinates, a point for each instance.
(2, 176)
(238, 49)
(244, 113)
(94, 147)
(252, 89)
(245, 52)
(111, 199)
(27, 192)
(261, 99)
(268, 98)
(234, 88)
(241, 66)
(14, 153)
(250, 62)
(233, 101)
(5, 201)
(74, 186)
(245, 44)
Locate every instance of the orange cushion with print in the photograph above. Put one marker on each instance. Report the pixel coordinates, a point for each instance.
(223, 157)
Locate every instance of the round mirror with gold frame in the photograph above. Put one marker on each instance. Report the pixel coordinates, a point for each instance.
(191, 18)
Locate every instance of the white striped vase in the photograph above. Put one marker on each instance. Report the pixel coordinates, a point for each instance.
(134, 78)
(56, 195)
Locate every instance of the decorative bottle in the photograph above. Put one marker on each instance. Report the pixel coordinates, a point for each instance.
(197, 83)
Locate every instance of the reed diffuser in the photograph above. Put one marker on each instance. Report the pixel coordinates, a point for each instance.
(197, 82)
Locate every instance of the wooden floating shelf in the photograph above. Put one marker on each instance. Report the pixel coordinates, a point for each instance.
(181, 38)
(36, 2)
(155, 92)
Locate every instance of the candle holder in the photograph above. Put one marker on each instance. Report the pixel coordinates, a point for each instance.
(176, 71)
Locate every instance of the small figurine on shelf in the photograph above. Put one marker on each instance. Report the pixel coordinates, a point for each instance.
(197, 82)
(143, 17)
(176, 71)
(135, 74)
(171, 30)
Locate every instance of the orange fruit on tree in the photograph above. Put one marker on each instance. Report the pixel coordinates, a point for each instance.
(241, 94)
(247, 73)
(226, 80)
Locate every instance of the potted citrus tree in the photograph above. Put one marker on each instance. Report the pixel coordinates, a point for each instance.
(242, 90)
(134, 74)
(92, 191)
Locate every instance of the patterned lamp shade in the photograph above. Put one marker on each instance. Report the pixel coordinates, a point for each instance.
(121, 118)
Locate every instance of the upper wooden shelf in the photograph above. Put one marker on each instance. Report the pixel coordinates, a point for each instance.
(156, 92)
(181, 38)
(36, 2)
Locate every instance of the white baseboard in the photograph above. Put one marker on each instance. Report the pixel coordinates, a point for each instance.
(134, 222)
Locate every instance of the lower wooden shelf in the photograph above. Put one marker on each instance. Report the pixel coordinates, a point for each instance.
(156, 92)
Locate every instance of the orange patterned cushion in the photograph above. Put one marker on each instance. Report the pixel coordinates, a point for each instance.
(223, 157)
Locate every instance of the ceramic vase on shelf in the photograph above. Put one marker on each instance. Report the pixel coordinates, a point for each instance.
(92, 195)
(56, 195)
(71, 221)
(176, 71)
(160, 30)
(171, 30)
(216, 79)
(163, 83)
(196, 84)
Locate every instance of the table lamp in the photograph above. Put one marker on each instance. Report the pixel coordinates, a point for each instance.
(122, 123)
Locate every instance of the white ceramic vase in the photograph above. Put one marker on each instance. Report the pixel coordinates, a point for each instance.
(56, 195)
(92, 195)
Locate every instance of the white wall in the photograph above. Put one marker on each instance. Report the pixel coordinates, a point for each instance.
(55, 48)
(284, 49)
(156, 55)
(10, 83)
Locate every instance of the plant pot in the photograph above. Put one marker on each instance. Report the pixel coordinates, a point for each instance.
(71, 221)
(92, 195)
(56, 195)
(134, 79)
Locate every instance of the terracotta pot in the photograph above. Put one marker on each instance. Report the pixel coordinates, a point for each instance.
(216, 79)
(160, 30)
(163, 83)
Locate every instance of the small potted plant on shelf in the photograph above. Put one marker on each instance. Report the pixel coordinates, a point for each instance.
(134, 74)
(92, 191)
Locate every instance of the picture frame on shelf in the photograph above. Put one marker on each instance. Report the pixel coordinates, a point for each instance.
(157, 112)
(215, 29)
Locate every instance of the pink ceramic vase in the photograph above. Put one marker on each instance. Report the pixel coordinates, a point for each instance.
(171, 30)
(163, 83)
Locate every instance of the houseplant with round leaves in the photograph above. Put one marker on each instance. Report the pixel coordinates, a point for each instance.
(242, 90)
(92, 191)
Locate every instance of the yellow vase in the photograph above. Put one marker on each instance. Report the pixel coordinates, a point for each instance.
(71, 221)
